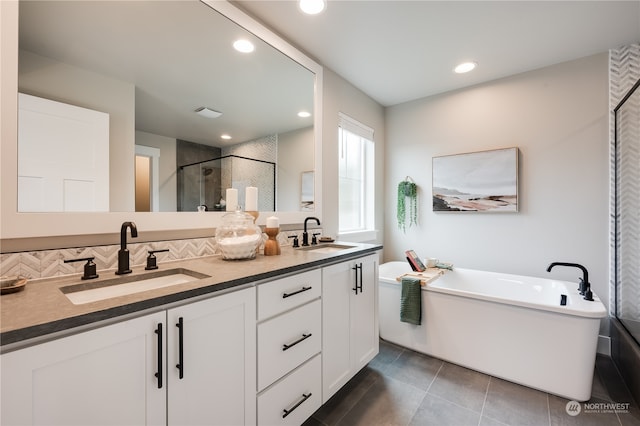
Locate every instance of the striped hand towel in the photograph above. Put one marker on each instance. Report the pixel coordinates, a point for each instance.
(411, 301)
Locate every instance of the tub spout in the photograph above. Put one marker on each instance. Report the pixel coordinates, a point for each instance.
(584, 287)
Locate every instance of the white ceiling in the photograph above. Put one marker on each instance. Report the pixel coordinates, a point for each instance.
(397, 51)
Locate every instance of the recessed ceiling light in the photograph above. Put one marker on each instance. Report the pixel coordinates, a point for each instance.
(225, 137)
(243, 45)
(312, 7)
(304, 114)
(465, 67)
(208, 112)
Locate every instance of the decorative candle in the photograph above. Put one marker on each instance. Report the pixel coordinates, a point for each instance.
(251, 199)
(232, 199)
(273, 222)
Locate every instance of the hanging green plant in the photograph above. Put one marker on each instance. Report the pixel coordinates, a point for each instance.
(407, 189)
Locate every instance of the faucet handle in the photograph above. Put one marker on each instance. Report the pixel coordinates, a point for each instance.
(295, 241)
(90, 271)
(152, 259)
(588, 295)
(581, 286)
(314, 239)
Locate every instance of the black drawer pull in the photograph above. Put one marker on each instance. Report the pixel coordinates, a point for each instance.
(285, 295)
(304, 336)
(180, 364)
(158, 331)
(304, 398)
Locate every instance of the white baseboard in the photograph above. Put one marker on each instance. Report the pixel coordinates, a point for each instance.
(604, 345)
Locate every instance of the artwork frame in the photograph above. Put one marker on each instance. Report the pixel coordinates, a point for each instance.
(482, 181)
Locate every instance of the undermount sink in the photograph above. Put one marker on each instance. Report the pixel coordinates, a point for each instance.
(89, 292)
(327, 248)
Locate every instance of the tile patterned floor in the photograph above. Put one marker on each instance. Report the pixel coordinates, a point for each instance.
(402, 387)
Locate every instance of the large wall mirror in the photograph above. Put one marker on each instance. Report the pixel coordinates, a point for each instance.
(150, 68)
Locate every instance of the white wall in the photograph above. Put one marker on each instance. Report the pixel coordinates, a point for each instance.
(341, 96)
(558, 118)
(295, 155)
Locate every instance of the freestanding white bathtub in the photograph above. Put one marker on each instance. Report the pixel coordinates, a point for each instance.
(508, 326)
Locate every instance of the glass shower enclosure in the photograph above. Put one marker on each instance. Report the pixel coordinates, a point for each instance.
(627, 211)
(204, 183)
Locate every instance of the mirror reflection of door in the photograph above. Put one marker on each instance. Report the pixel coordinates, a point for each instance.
(63, 157)
(147, 179)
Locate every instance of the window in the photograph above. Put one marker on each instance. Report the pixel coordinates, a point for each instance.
(356, 179)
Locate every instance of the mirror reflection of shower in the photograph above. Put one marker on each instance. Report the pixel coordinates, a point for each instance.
(204, 183)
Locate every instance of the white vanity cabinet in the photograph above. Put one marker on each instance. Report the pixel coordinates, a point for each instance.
(349, 320)
(129, 372)
(289, 345)
(103, 376)
(270, 354)
(211, 361)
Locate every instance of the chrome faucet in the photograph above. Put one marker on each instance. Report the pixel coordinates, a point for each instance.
(123, 253)
(584, 287)
(305, 234)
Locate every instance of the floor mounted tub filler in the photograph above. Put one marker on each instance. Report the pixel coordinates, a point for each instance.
(508, 326)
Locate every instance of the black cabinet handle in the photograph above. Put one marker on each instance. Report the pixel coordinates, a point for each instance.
(355, 268)
(159, 373)
(360, 267)
(304, 398)
(285, 295)
(180, 364)
(290, 345)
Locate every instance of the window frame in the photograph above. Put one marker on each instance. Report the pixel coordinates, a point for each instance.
(367, 231)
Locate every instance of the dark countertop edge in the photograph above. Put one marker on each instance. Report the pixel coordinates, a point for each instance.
(66, 325)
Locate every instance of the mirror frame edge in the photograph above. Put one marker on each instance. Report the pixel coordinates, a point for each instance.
(14, 225)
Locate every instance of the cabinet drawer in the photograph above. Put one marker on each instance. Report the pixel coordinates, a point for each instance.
(278, 296)
(286, 341)
(298, 394)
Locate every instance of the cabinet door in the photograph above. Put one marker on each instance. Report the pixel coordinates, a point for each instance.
(105, 376)
(350, 321)
(364, 313)
(218, 363)
(338, 283)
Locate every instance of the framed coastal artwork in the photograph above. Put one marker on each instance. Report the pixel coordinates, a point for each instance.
(485, 181)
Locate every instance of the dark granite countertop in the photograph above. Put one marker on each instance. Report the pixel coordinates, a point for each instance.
(43, 310)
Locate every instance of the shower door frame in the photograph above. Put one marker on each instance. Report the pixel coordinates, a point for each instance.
(617, 217)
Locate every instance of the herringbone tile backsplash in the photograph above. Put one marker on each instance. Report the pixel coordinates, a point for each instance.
(50, 263)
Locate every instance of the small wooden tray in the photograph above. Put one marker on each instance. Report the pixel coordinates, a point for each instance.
(426, 277)
(12, 284)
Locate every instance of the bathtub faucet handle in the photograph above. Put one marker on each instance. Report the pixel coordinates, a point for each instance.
(585, 290)
(582, 286)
